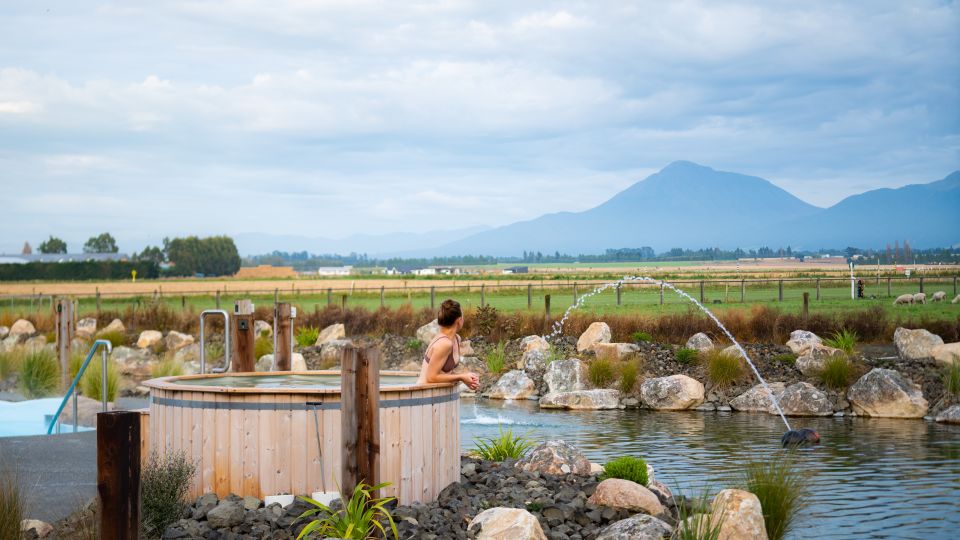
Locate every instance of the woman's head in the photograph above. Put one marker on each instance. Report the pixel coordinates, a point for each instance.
(449, 313)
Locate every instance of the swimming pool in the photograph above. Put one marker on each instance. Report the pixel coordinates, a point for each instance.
(19, 418)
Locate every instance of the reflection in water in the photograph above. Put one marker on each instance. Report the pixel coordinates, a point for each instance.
(877, 478)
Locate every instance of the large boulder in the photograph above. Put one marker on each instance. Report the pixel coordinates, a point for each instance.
(262, 328)
(757, 399)
(42, 529)
(739, 514)
(513, 385)
(814, 359)
(555, 457)
(86, 327)
(9, 343)
(332, 333)
(530, 343)
(189, 353)
(598, 332)
(332, 352)
(177, 340)
(801, 340)
(35, 343)
(615, 351)
(4, 332)
(700, 342)
(534, 362)
(618, 493)
(466, 348)
(915, 344)
(675, 392)
(297, 362)
(887, 393)
(115, 327)
(264, 363)
(948, 353)
(149, 338)
(565, 376)
(226, 514)
(87, 411)
(22, 327)
(638, 527)
(502, 523)
(582, 400)
(804, 399)
(950, 415)
(134, 363)
(428, 331)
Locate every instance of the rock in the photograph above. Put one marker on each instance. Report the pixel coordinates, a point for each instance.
(739, 514)
(262, 328)
(950, 415)
(298, 362)
(888, 394)
(331, 353)
(534, 362)
(555, 457)
(115, 326)
(815, 358)
(22, 327)
(251, 503)
(177, 340)
(513, 385)
(757, 399)
(732, 351)
(4, 332)
(565, 376)
(700, 342)
(598, 332)
(149, 338)
(915, 344)
(466, 348)
(803, 399)
(618, 493)
(135, 363)
(9, 343)
(265, 363)
(225, 514)
(530, 343)
(582, 400)
(188, 353)
(35, 343)
(86, 327)
(87, 410)
(615, 351)
(506, 524)
(638, 527)
(428, 331)
(675, 392)
(41, 528)
(335, 332)
(595, 468)
(948, 353)
(801, 340)
(660, 490)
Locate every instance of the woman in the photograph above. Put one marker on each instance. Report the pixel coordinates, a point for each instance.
(443, 352)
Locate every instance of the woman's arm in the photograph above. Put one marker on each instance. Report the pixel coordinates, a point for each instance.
(438, 357)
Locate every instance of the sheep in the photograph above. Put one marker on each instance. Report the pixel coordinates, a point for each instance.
(956, 300)
(903, 299)
(920, 298)
(939, 296)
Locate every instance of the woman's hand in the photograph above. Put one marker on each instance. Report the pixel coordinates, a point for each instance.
(472, 380)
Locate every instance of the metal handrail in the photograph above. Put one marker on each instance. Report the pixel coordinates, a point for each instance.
(107, 349)
(226, 341)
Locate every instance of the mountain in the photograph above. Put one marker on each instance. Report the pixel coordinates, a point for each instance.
(691, 206)
(371, 244)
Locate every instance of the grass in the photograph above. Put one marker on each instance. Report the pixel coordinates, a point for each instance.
(90, 383)
(413, 345)
(629, 468)
(782, 492)
(504, 446)
(697, 520)
(951, 379)
(116, 339)
(306, 336)
(10, 363)
(496, 359)
(263, 345)
(76, 361)
(722, 369)
(12, 505)
(164, 482)
(785, 358)
(641, 337)
(362, 516)
(39, 374)
(214, 351)
(687, 356)
(629, 373)
(601, 372)
(845, 340)
(168, 367)
(838, 372)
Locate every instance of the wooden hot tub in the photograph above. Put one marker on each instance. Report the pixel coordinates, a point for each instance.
(255, 440)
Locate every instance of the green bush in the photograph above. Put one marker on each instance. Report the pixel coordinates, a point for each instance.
(837, 372)
(951, 379)
(39, 374)
(116, 339)
(629, 468)
(785, 358)
(629, 372)
(601, 373)
(164, 483)
(361, 517)
(687, 356)
(12, 505)
(168, 367)
(495, 358)
(722, 369)
(782, 493)
(845, 340)
(90, 382)
(262, 345)
(641, 337)
(506, 445)
(414, 345)
(307, 336)
(10, 363)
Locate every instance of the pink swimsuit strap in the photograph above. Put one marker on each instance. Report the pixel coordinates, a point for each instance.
(451, 362)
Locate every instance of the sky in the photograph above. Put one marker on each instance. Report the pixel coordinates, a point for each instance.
(331, 118)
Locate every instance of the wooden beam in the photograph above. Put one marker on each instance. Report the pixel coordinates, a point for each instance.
(284, 350)
(360, 417)
(118, 474)
(243, 337)
(65, 331)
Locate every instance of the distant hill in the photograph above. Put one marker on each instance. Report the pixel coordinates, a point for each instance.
(688, 205)
(371, 244)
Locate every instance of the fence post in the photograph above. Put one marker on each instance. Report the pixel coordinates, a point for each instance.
(98, 303)
(888, 287)
(433, 297)
(65, 330)
(546, 306)
(743, 290)
(483, 296)
(218, 299)
(343, 302)
(183, 301)
(575, 292)
(360, 417)
(283, 340)
(530, 293)
(921, 283)
(661, 293)
(806, 305)
(780, 290)
(818, 288)
(701, 291)
(954, 285)
(618, 295)
(381, 296)
(243, 339)
(276, 296)
(118, 474)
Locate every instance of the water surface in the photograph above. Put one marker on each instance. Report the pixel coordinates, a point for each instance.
(289, 381)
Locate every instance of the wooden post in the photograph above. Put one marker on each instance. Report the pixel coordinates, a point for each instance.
(98, 303)
(954, 285)
(546, 306)
(701, 291)
(889, 293)
(780, 290)
(743, 291)
(329, 296)
(276, 296)
(433, 297)
(381, 297)
(530, 294)
(118, 474)
(360, 417)
(483, 296)
(618, 295)
(218, 299)
(183, 301)
(818, 289)
(921, 283)
(575, 295)
(243, 337)
(65, 330)
(806, 305)
(661, 293)
(283, 353)
(343, 302)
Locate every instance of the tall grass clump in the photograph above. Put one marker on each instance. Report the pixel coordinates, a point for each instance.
(697, 519)
(168, 367)
(722, 369)
(504, 446)
(362, 516)
(629, 372)
(262, 345)
(629, 468)
(785, 358)
(91, 383)
(307, 336)
(413, 345)
(496, 359)
(12, 505)
(601, 373)
(116, 339)
(641, 337)
(687, 356)
(838, 372)
(951, 379)
(164, 482)
(781, 490)
(10, 363)
(845, 340)
(39, 374)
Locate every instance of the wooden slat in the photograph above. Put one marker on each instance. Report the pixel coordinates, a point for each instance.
(208, 442)
(283, 456)
(221, 452)
(301, 437)
(236, 447)
(406, 452)
(268, 446)
(196, 440)
(330, 429)
(251, 441)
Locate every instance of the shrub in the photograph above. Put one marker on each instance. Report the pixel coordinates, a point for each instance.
(168, 367)
(845, 340)
(554, 354)
(116, 339)
(495, 358)
(687, 356)
(781, 490)
(785, 358)
(697, 520)
(837, 372)
(629, 468)
(164, 482)
(628, 376)
(506, 445)
(723, 369)
(641, 337)
(215, 351)
(485, 320)
(361, 517)
(306, 336)
(90, 383)
(12, 505)
(601, 373)
(10, 363)
(39, 375)
(951, 379)
(414, 345)
(262, 345)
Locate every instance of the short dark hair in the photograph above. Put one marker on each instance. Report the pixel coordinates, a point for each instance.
(449, 313)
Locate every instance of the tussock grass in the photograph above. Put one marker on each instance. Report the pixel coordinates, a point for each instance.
(91, 383)
(782, 492)
(722, 369)
(10, 363)
(168, 367)
(951, 379)
(629, 468)
(697, 520)
(306, 336)
(687, 356)
(164, 482)
(601, 372)
(785, 358)
(39, 374)
(496, 359)
(506, 445)
(629, 374)
(641, 337)
(838, 372)
(116, 339)
(262, 345)
(12, 505)
(845, 340)
(361, 516)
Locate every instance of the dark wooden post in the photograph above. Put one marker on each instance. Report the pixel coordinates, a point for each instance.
(433, 297)
(283, 353)
(889, 289)
(65, 330)
(118, 474)
(954, 285)
(329, 296)
(343, 302)
(661, 293)
(546, 306)
(218, 299)
(98, 303)
(575, 295)
(381, 296)
(243, 337)
(483, 295)
(701, 291)
(276, 296)
(360, 417)
(618, 295)
(780, 290)
(818, 288)
(806, 305)
(743, 291)
(183, 302)
(530, 295)
(921, 283)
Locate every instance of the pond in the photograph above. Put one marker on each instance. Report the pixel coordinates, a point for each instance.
(870, 478)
